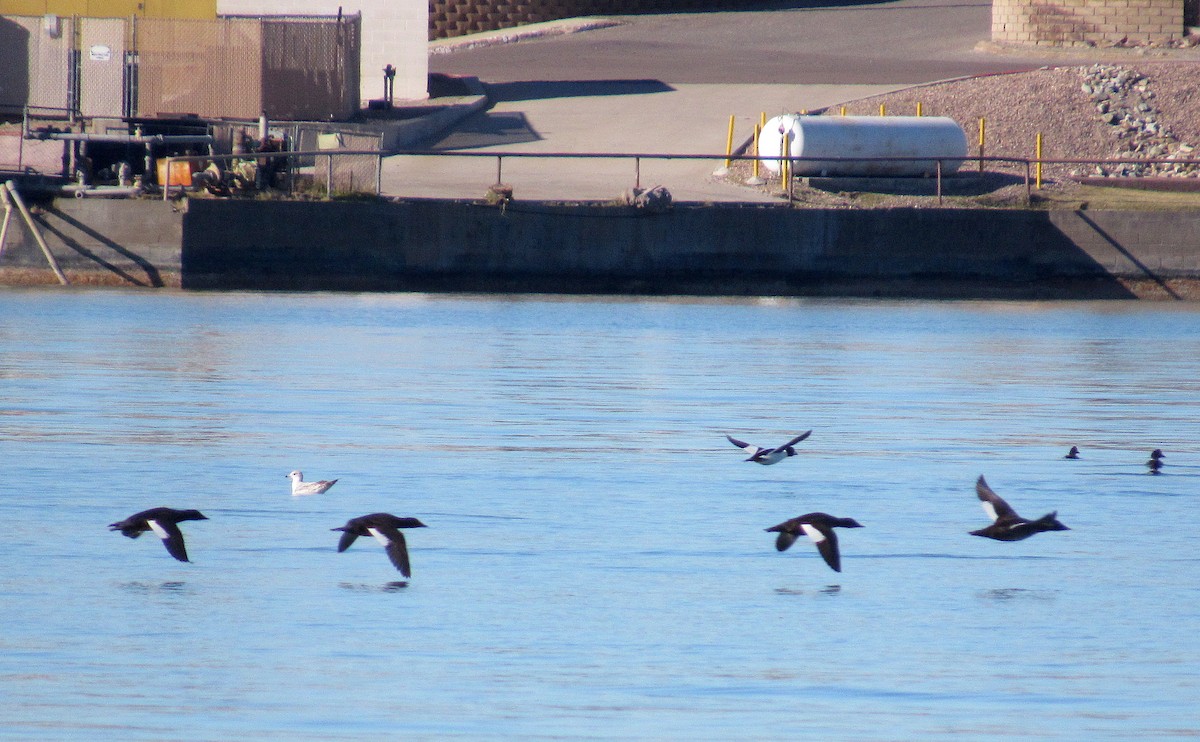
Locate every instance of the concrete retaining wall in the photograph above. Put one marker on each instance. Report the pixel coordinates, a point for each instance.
(97, 242)
(437, 245)
(691, 249)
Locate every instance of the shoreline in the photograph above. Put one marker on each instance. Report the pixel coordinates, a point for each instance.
(691, 249)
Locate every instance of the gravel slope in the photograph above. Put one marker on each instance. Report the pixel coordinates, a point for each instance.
(1052, 101)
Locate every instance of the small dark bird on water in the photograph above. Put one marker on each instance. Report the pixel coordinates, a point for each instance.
(818, 527)
(1006, 524)
(1073, 453)
(1155, 463)
(165, 524)
(385, 527)
(768, 456)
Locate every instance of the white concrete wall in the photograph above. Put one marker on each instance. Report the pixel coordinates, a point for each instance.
(395, 32)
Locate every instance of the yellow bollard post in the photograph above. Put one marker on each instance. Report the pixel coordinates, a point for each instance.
(729, 145)
(757, 133)
(882, 109)
(1038, 177)
(762, 119)
(784, 161)
(918, 108)
(982, 127)
(843, 110)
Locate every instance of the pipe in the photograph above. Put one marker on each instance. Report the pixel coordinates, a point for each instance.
(7, 215)
(100, 191)
(133, 138)
(37, 233)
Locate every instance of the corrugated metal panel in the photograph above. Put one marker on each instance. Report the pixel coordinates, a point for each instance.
(196, 9)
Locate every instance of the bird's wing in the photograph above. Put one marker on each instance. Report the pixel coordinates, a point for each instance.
(793, 441)
(994, 505)
(826, 541)
(348, 537)
(393, 542)
(749, 448)
(171, 536)
(787, 534)
(785, 540)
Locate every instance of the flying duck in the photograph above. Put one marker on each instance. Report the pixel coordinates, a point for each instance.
(1073, 453)
(1006, 524)
(300, 487)
(385, 527)
(818, 527)
(165, 524)
(768, 456)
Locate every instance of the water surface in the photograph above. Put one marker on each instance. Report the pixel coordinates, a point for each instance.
(595, 565)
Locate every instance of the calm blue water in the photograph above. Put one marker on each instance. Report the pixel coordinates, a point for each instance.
(595, 565)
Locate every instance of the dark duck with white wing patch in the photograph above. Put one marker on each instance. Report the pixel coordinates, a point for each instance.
(818, 527)
(165, 524)
(1006, 524)
(385, 528)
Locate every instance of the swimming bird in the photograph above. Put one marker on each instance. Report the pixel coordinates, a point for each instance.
(1155, 463)
(818, 527)
(1073, 453)
(768, 456)
(165, 524)
(300, 487)
(1006, 524)
(385, 527)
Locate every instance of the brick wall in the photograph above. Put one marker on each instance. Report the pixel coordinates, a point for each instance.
(449, 18)
(1087, 22)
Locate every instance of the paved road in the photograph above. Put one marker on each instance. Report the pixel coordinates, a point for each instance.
(838, 43)
(669, 83)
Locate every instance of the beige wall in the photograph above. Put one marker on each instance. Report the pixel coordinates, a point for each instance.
(393, 32)
(1086, 22)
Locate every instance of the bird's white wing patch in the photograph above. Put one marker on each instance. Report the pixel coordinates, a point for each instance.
(158, 530)
(813, 533)
(990, 509)
(380, 537)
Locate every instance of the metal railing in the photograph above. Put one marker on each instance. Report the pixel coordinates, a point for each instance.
(1029, 166)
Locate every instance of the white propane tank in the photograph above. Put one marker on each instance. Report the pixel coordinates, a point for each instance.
(818, 137)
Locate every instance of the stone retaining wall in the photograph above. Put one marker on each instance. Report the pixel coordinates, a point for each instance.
(1088, 22)
(449, 18)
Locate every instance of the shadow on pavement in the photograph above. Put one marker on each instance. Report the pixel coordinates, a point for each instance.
(546, 89)
(487, 129)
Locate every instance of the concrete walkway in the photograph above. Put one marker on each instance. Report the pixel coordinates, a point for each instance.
(637, 117)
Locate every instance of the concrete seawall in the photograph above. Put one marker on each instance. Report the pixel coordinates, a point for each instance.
(691, 249)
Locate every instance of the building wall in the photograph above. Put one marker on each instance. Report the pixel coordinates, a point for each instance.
(393, 32)
(1086, 22)
(193, 9)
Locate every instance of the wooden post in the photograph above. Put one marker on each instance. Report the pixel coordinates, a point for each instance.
(37, 233)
